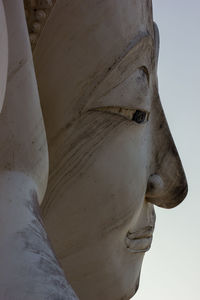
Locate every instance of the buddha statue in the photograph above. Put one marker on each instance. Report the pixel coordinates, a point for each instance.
(96, 156)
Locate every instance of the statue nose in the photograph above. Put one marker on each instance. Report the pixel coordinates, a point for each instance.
(155, 186)
(167, 184)
(168, 188)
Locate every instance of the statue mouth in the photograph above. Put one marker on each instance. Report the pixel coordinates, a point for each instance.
(139, 241)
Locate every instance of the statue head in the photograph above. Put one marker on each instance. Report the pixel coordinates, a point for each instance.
(112, 156)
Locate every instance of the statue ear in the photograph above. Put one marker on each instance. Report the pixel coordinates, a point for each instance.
(156, 43)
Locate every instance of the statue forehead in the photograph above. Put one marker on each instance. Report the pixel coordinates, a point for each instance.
(92, 36)
(137, 15)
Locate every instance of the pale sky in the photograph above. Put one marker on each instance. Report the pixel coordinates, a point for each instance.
(171, 269)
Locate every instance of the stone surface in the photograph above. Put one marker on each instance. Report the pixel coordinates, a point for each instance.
(106, 169)
(111, 154)
(29, 269)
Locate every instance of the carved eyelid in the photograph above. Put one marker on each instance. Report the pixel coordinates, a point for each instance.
(145, 70)
(125, 112)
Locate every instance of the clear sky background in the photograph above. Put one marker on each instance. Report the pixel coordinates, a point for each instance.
(171, 269)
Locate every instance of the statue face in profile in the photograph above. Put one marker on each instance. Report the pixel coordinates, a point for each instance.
(112, 156)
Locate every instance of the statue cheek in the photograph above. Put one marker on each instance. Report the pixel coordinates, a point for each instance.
(119, 172)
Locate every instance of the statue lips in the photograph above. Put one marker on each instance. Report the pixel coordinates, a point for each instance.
(139, 241)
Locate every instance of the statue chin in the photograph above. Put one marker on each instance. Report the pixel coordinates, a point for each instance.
(105, 141)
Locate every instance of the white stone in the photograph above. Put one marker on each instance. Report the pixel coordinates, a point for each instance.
(111, 154)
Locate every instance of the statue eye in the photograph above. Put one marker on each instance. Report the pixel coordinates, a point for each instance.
(140, 116)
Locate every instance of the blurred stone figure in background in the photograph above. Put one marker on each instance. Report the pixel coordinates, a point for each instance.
(29, 269)
(111, 154)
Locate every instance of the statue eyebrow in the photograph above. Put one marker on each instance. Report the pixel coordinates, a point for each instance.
(146, 71)
(121, 68)
(137, 40)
